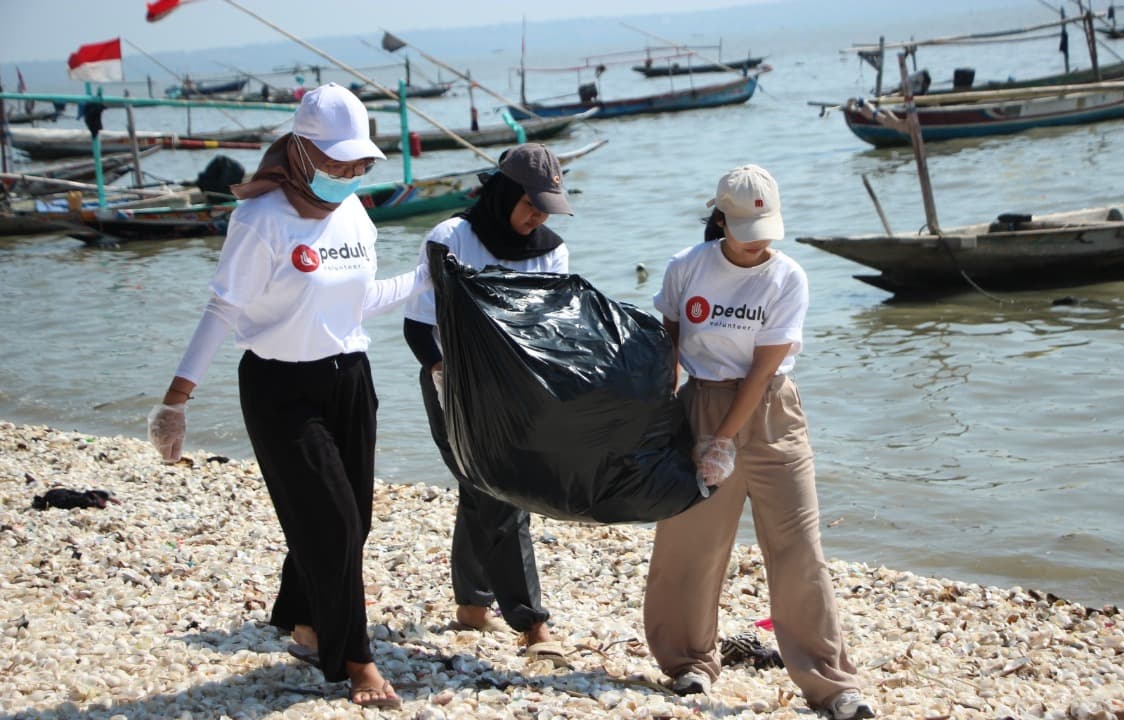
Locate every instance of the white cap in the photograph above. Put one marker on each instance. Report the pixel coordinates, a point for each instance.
(749, 199)
(336, 121)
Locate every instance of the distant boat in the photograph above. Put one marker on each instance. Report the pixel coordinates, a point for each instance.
(728, 93)
(48, 143)
(25, 117)
(190, 89)
(534, 129)
(413, 91)
(652, 68)
(1012, 252)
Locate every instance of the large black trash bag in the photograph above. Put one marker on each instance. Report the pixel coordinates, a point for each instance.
(559, 400)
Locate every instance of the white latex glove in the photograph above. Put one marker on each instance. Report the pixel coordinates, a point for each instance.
(439, 383)
(167, 426)
(715, 463)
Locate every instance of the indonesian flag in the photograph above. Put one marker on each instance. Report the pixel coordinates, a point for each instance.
(160, 8)
(99, 62)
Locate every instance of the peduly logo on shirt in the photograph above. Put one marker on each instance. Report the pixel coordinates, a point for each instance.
(305, 258)
(699, 310)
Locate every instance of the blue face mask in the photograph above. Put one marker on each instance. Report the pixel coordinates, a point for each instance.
(333, 189)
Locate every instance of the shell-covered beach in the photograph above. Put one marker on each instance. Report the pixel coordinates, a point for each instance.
(157, 606)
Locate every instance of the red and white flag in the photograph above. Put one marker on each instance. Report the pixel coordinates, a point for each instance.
(159, 9)
(98, 62)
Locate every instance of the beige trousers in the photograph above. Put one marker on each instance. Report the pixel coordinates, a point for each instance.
(775, 469)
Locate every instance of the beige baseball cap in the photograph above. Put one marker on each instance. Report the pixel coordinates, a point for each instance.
(749, 198)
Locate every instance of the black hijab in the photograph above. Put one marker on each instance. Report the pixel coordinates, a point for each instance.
(490, 219)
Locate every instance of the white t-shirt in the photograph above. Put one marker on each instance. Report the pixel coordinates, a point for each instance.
(724, 311)
(456, 233)
(296, 289)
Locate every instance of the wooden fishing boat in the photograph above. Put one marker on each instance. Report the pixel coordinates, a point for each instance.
(986, 112)
(968, 109)
(59, 213)
(48, 143)
(27, 117)
(37, 179)
(1012, 252)
(431, 90)
(189, 89)
(652, 68)
(533, 128)
(439, 193)
(391, 200)
(728, 93)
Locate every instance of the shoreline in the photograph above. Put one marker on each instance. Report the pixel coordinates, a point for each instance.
(158, 605)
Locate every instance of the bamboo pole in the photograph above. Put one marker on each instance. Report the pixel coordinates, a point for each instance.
(1027, 93)
(3, 135)
(119, 101)
(74, 185)
(877, 206)
(347, 68)
(954, 39)
(918, 144)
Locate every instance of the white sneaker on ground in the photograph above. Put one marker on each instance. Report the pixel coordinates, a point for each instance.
(691, 682)
(849, 705)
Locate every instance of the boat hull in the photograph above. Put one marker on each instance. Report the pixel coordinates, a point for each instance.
(543, 129)
(732, 93)
(665, 70)
(951, 122)
(1059, 250)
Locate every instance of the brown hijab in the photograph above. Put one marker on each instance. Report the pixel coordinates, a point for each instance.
(283, 166)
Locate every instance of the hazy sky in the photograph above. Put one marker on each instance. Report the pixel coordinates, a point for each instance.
(52, 29)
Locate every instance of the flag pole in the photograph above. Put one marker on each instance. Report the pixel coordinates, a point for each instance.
(347, 68)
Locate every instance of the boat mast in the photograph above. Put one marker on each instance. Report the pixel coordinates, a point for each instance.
(918, 144)
(523, 65)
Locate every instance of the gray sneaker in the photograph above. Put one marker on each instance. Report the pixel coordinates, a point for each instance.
(691, 682)
(849, 705)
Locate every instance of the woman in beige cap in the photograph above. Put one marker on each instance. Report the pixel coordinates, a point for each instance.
(735, 309)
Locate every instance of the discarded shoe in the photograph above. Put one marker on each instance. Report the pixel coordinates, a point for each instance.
(849, 705)
(691, 682)
(745, 647)
(304, 654)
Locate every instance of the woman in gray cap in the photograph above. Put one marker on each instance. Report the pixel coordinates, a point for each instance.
(294, 282)
(492, 557)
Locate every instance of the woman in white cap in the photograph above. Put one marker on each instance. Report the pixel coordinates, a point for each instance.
(294, 282)
(735, 309)
(492, 559)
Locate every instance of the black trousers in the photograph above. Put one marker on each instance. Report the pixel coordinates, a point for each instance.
(312, 426)
(492, 557)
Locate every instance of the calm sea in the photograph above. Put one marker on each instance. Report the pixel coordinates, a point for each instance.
(971, 438)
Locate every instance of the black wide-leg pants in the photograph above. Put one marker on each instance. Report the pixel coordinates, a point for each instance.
(312, 426)
(492, 557)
